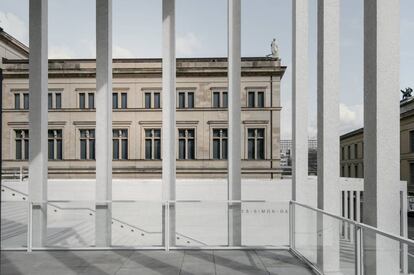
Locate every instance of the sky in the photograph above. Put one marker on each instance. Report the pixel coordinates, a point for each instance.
(201, 29)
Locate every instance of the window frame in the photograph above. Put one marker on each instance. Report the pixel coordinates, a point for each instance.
(256, 102)
(223, 99)
(255, 139)
(153, 138)
(56, 146)
(24, 139)
(221, 139)
(186, 139)
(120, 138)
(152, 94)
(186, 93)
(89, 140)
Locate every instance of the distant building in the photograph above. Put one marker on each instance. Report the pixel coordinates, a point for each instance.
(201, 134)
(352, 147)
(286, 156)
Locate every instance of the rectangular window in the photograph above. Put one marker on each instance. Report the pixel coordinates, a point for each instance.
(185, 100)
(356, 150)
(49, 101)
(55, 144)
(152, 143)
(411, 141)
(54, 100)
(411, 173)
(181, 100)
(22, 144)
(114, 100)
(190, 100)
(81, 100)
(342, 152)
(58, 97)
(91, 100)
(120, 144)
(251, 100)
(220, 99)
(260, 99)
(255, 144)
(16, 101)
(256, 99)
(186, 144)
(87, 144)
(124, 100)
(26, 101)
(152, 100)
(157, 100)
(219, 143)
(356, 170)
(342, 171)
(349, 171)
(148, 100)
(216, 99)
(349, 152)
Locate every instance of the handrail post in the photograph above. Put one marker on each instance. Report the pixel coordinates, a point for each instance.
(291, 225)
(358, 249)
(29, 227)
(167, 226)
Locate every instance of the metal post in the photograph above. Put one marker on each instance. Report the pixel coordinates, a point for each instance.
(103, 190)
(234, 111)
(292, 225)
(29, 227)
(168, 117)
(357, 247)
(38, 125)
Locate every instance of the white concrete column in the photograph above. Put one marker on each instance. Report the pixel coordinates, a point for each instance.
(328, 132)
(38, 87)
(103, 122)
(234, 113)
(382, 132)
(168, 115)
(300, 83)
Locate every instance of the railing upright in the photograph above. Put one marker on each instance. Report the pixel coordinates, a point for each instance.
(358, 249)
(29, 227)
(291, 225)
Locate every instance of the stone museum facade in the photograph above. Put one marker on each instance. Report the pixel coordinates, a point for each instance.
(201, 135)
(352, 149)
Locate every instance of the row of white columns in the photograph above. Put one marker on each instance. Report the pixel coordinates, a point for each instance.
(381, 120)
(38, 119)
(381, 115)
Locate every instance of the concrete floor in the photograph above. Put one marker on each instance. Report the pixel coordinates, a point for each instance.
(152, 262)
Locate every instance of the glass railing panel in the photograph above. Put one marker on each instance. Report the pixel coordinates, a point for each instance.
(208, 223)
(14, 218)
(265, 223)
(201, 223)
(305, 233)
(70, 224)
(137, 223)
(390, 255)
(318, 235)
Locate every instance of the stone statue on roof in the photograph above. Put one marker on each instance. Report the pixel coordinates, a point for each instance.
(275, 49)
(407, 93)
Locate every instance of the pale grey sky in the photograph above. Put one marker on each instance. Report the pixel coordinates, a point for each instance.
(201, 31)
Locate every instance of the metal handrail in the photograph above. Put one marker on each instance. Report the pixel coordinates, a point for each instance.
(358, 224)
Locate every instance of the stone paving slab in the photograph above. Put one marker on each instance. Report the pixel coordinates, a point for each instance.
(203, 262)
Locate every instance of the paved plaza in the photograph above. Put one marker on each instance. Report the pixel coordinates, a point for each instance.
(153, 262)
